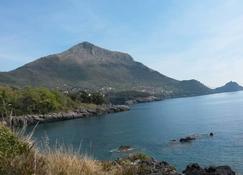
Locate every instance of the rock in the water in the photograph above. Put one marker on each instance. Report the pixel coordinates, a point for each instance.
(124, 148)
(195, 169)
(220, 170)
(187, 139)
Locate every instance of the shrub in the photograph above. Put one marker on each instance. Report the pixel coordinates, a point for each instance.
(33, 101)
(17, 155)
(88, 97)
(39, 100)
(8, 98)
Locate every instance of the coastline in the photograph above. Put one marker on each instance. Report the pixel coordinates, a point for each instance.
(146, 165)
(32, 119)
(20, 156)
(155, 98)
(149, 166)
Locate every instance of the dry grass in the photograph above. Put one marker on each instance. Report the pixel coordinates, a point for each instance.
(18, 156)
(61, 162)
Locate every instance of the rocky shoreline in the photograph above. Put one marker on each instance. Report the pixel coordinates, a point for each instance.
(19, 121)
(141, 164)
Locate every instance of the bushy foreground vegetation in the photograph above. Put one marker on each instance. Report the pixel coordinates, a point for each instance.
(18, 156)
(42, 100)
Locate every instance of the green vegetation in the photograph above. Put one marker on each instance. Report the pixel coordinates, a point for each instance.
(42, 100)
(10, 146)
(17, 155)
(88, 97)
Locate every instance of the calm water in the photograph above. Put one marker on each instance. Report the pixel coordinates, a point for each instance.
(149, 127)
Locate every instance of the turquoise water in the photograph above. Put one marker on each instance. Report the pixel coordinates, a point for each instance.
(149, 127)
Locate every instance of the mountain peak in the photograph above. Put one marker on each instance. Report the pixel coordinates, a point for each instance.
(86, 51)
(229, 87)
(83, 46)
(86, 47)
(86, 44)
(232, 82)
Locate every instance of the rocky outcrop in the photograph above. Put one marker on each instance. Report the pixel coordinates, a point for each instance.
(17, 121)
(140, 164)
(187, 139)
(195, 169)
(124, 148)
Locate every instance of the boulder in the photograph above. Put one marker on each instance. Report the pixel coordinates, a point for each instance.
(124, 148)
(195, 169)
(141, 164)
(220, 170)
(187, 139)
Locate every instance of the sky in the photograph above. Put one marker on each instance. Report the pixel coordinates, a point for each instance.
(189, 39)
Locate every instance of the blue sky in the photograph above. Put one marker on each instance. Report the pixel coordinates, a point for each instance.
(189, 39)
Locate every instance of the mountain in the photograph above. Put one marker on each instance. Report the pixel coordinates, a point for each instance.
(229, 87)
(192, 88)
(88, 66)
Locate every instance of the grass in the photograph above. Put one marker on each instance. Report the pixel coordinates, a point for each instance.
(18, 156)
(64, 164)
